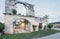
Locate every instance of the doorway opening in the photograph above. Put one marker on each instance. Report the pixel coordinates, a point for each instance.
(21, 25)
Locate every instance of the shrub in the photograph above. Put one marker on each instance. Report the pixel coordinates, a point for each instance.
(34, 27)
(50, 25)
(1, 27)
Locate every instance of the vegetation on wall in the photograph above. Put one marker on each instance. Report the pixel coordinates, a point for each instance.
(14, 11)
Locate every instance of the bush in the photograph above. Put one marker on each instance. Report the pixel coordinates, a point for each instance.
(50, 25)
(1, 27)
(34, 27)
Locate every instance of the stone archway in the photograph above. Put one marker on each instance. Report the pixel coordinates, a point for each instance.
(21, 26)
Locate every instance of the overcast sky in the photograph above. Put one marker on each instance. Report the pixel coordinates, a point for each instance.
(41, 7)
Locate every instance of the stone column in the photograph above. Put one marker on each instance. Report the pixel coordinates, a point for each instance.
(8, 24)
(9, 5)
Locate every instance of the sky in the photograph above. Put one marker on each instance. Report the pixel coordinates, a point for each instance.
(41, 7)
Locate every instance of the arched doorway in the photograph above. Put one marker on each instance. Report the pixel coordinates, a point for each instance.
(21, 26)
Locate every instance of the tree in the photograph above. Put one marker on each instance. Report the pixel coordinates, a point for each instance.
(50, 25)
(46, 18)
(34, 27)
(1, 27)
(14, 11)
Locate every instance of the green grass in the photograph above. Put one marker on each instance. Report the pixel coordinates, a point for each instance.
(14, 36)
(40, 33)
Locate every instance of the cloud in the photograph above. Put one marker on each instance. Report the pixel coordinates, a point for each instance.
(54, 16)
(46, 7)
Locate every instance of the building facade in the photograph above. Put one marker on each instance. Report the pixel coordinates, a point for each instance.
(56, 25)
(20, 24)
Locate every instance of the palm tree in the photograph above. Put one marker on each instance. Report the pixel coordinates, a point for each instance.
(46, 17)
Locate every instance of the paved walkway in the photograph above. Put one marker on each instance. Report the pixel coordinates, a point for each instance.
(55, 36)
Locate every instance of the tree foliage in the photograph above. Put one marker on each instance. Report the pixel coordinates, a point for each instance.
(50, 25)
(1, 27)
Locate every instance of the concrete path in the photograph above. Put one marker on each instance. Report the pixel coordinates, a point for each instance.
(54, 36)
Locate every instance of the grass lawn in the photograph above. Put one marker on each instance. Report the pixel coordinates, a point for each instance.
(40, 33)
